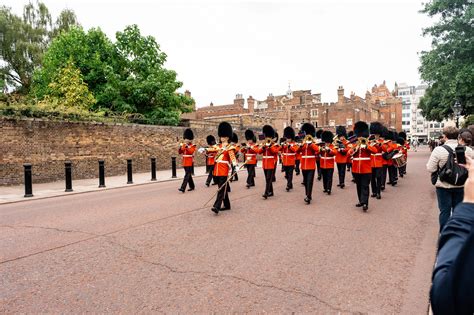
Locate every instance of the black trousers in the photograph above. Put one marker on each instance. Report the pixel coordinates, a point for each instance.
(318, 166)
(384, 175)
(392, 173)
(210, 176)
(223, 194)
(376, 180)
(250, 174)
(362, 182)
(289, 176)
(236, 176)
(341, 171)
(269, 181)
(349, 166)
(402, 170)
(188, 178)
(308, 179)
(297, 167)
(327, 174)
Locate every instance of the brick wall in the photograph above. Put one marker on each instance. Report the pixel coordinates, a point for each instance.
(48, 144)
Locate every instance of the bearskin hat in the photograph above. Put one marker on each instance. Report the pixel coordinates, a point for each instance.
(341, 131)
(308, 129)
(361, 129)
(249, 135)
(268, 131)
(403, 135)
(276, 136)
(319, 133)
(210, 140)
(327, 136)
(254, 139)
(235, 138)
(188, 134)
(376, 128)
(224, 130)
(388, 135)
(289, 133)
(400, 141)
(350, 134)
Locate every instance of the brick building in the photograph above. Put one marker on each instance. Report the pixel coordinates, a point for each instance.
(297, 107)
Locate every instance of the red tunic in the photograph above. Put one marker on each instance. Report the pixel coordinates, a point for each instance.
(224, 158)
(387, 147)
(327, 155)
(187, 151)
(249, 154)
(376, 159)
(269, 155)
(342, 155)
(308, 156)
(361, 160)
(288, 154)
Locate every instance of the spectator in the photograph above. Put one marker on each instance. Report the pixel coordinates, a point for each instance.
(448, 195)
(465, 137)
(452, 291)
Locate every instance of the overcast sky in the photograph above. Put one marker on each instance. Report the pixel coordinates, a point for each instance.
(221, 48)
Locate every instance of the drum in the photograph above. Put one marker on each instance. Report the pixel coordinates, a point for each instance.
(399, 160)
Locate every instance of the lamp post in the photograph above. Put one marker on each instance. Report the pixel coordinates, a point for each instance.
(457, 108)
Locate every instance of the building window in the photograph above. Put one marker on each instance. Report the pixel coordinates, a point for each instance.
(349, 122)
(392, 115)
(332, 123)
(314, 113)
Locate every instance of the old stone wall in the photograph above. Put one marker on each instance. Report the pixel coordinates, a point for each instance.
(48, 144)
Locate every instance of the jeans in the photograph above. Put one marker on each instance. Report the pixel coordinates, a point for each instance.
(448, 198)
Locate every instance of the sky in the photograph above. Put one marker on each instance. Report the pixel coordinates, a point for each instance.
(256, 47)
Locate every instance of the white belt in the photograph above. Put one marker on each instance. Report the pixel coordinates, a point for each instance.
(377, 154)
(327, 158)
(361, 159)
(187, 155)
(288, 154)
(223, 162)
(308, 156)
(268, 157)
(248, 154)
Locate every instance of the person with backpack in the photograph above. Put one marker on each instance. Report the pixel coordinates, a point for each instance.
(447, 176)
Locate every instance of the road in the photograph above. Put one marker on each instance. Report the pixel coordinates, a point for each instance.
(151, 248)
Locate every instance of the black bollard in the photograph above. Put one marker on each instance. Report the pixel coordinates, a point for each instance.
(129, 172)
(153, 169)
(101, 173)
(173, 167)
(68, 170)
(28, 180)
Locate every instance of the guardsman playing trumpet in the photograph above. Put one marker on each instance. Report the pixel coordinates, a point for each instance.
(225, 158)
(361, 168)
(309, 150)
(327, 153)
(186, 149)
(376, 159)
(210, 155)
(250, 157)
(289, 149)
(269, 150)
(342, 156)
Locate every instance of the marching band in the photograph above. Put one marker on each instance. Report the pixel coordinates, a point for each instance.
(369, 152)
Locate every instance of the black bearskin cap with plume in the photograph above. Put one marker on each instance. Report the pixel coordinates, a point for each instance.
(361, 129)
(210, 140)
(376, 128)
(188, 134)
(289, 133)
(235, 138)
(224, 130)
(341, 131)
(249, 135)
(327, 136)
(268, 131)
(308, 129)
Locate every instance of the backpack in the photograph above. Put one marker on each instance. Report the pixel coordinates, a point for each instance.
(451, 172)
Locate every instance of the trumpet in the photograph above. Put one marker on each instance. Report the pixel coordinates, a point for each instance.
(308, 139)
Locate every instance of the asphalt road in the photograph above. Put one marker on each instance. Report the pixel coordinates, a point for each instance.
(153, 249)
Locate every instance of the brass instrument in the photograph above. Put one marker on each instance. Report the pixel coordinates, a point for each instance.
(308, 139)
(267, 142)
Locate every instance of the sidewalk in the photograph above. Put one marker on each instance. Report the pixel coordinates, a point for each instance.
(10, 194)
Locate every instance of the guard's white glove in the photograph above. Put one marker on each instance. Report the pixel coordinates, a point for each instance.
(201, 150)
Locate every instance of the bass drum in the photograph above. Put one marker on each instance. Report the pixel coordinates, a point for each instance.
(399, 160)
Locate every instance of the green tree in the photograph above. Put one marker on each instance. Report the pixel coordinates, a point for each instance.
(448, 67)
(24, 39)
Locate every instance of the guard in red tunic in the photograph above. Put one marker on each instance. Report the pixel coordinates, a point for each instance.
(288, 155)
(342, 156)
(386, 149)
(376, 159)
(250, 157)
(186, 149)
(269, 150)
(405, 146)
(225, 158)
(309, 150)
(235, 143)
(210, 155)
(361, 168)
(327, 154)
(318, 159)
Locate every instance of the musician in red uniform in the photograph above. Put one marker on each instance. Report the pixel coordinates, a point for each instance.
(318, 159)
(186, 149)
(234, 141)
(376, 159)
(342, 157)
(225, 158)
(309, 150)
(211, 142)
(327, 154)
(361, 168)
(288, 156)
(405, 146)
(386, 148)
(269, 150)
(250, 157)
(298, 157)
(392, 168)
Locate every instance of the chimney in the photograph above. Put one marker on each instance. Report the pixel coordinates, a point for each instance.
(340, 95)
(211, 104)
(251, 104)
(239, 100)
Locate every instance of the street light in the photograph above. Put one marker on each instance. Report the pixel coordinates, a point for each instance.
(457, 108)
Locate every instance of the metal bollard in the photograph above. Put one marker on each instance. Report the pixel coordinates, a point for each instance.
(68, 170)
(129, 172)
(173, 167)
(153, 169)
(28, 180)
(101, 173)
